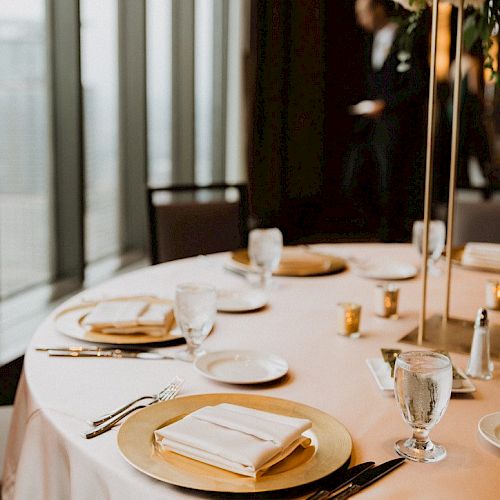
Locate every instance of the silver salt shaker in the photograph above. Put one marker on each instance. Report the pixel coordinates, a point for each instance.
(480, 364)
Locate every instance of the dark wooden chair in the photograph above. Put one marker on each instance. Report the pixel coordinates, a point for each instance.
(189, 220)
(476, 221)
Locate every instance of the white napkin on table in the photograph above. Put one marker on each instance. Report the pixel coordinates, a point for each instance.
(235, 438)
(482, 254)
(129, 316)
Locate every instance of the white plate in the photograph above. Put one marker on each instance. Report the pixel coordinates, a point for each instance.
(242, 300)
(381, 372)
(489, 428)
(390, 271)
(241, 367)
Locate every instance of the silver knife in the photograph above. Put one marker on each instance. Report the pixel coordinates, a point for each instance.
(92, 348)
(116, 353)
(365, 479)
(340, 480)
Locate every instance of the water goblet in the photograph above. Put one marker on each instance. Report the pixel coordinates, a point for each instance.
(436, 242)
(264, 250)
(195, 311)
(422, 386)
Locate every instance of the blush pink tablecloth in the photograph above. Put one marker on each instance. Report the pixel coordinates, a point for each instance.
(47, 458)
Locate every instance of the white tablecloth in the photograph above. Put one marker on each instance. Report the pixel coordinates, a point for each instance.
(47, 458)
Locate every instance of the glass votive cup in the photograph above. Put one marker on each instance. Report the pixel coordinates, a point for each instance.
(386, 300)
(492, 291)
(348, 319)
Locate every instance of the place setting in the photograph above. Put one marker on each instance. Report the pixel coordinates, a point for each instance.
(266, 257)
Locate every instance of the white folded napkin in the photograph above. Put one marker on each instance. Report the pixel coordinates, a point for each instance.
(482, 254)
(129, 316)
(235, 438)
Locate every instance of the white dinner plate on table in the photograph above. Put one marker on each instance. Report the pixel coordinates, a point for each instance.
(387, 271)
(489, 428)
(381, 372)
(241, 366)
(242, 300)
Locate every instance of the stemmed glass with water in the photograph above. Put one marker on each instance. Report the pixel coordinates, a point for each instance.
(195, 311)
(264, 250)
(422, 386)
(436, 242)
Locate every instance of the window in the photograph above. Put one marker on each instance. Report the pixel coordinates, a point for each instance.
(159, 91)
(25, 194)
(99, 70)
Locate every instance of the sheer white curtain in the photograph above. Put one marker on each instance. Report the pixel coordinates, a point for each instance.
(196, 126)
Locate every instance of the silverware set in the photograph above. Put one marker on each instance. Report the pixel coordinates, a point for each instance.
(355, 479)
(106, 422)
(79, 351)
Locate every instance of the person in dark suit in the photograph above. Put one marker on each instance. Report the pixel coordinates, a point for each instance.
(384, 169)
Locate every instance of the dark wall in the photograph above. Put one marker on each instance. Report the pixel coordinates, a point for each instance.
(305, 56)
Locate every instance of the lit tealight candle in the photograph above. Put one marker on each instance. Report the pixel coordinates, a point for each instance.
(348, 317)
(386, 301)
(493, 294)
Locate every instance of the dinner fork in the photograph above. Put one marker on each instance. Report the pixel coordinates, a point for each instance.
(103, 418)
(165, 396)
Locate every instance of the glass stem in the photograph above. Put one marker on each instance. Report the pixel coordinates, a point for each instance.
(421, 437)
(265, 279)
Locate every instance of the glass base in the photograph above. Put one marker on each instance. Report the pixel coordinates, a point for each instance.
(420, 451)
(189, 355)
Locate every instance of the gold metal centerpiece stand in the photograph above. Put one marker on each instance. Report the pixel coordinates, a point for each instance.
(441, 331)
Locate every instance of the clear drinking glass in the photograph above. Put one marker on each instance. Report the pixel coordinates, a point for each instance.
(436, 243)
(264, 249)
(422, 386)
(195, 311)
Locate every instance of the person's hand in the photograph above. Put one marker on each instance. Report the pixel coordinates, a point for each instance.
(376, 110)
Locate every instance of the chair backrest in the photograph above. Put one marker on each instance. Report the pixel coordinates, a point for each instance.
(476, 221)
(188, 220)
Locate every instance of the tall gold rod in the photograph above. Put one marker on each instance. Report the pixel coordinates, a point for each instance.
(428, 169)
(455, 134)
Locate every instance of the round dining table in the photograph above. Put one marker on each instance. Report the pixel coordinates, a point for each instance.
(48, 458)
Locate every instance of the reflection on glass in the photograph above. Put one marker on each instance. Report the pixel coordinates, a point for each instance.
(99, 53)
(24, 147)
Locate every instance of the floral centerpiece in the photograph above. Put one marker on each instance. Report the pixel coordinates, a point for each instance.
(481, 23)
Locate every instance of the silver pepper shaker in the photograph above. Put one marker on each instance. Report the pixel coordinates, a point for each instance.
(480, 364)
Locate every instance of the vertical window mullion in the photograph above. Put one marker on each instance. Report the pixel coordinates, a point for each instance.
(64, 27)
(132, 119)
(183, 110)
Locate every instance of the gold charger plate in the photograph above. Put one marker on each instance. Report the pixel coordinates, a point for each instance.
(69, 322)
(295, 261)
(330, 448)
(457, 255)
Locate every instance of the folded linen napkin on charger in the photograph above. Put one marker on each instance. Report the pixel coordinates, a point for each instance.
(235, 438)
(482, 255)
(130, 316)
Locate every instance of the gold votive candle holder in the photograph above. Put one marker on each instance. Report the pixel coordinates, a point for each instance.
(386, 300)
(348, 319)
(493, 294)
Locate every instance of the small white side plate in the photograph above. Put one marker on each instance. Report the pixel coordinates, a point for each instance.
(381, 372)
(392, 271)
(242, 300)
(489, 428)
(241, 366)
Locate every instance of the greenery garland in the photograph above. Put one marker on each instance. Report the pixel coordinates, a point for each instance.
(481, 23)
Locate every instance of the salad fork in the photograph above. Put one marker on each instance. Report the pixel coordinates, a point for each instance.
(156, 397)
(166, 395)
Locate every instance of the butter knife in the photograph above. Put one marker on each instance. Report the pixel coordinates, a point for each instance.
(116, 353)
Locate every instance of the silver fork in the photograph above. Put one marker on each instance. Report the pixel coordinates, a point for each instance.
(103, 418)
(165, 396)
